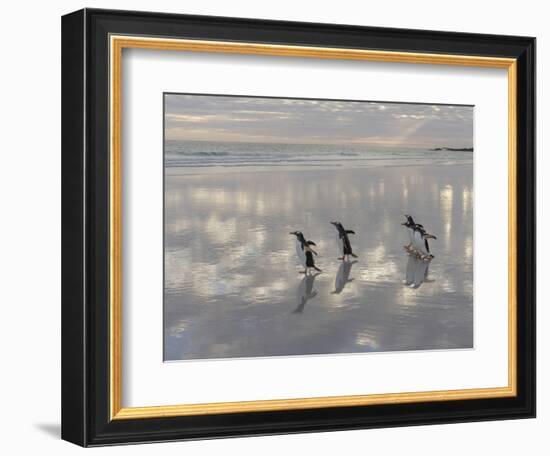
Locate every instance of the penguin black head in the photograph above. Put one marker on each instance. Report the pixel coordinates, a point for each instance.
(410, 222)
(299, 235)
(339, 227)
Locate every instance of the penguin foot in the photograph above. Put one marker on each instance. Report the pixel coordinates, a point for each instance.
(340, 258)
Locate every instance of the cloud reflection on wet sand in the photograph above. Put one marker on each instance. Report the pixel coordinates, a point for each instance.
(232, 287)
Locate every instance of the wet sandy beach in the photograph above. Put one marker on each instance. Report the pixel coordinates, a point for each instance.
(232, 282)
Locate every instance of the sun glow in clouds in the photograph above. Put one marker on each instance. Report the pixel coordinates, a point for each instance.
(299, 121)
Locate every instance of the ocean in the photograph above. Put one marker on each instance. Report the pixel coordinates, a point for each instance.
(196, 154)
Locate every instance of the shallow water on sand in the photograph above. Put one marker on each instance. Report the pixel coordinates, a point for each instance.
(232, 282)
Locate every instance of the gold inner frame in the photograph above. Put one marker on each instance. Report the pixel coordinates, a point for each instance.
(117, 44)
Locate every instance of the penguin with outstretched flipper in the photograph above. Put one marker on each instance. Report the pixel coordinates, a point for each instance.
(344, 244)
(305, 252)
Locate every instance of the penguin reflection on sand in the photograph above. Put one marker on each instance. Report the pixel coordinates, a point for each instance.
(305, 292)
(342, 277)
(305, 252)
(417, 272)
(344, 244)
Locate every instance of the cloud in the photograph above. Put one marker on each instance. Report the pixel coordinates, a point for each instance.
(249, 119)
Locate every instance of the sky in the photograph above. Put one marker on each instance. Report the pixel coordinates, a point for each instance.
(299, 121)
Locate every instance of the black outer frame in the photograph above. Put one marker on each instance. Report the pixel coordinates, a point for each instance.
(85, 227)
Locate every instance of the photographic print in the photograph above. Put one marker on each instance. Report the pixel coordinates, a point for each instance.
(316, 227)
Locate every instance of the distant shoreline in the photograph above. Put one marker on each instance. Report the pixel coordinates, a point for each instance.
(452, 149)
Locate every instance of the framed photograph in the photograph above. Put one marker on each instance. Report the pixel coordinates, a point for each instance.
(278, 227)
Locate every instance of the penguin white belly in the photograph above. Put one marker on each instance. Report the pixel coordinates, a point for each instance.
(301, 254)
(418, 242)
(340, 243)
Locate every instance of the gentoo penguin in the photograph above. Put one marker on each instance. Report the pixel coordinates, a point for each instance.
(420, 242)
(305, 292)
(426, 247)
(344, 244)
(342, 277)
(409, 224)
(305, 252)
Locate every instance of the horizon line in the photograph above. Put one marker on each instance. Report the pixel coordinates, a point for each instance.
(321, 143)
